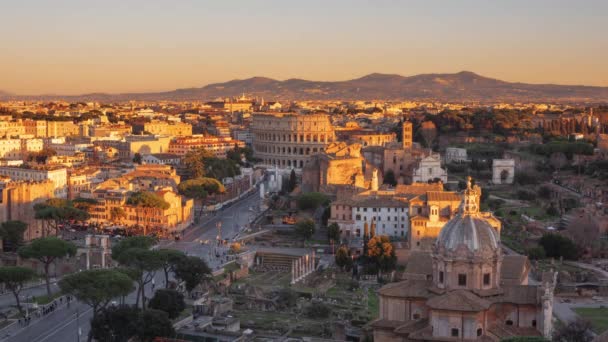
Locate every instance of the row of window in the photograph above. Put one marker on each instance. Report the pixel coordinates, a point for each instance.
(462, 278)
(381, 209)
(378, 218)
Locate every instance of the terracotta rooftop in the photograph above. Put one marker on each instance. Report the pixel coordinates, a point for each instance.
(458, 300)
(443, 196)
(420, 263)
(513, 266)
(407, 288)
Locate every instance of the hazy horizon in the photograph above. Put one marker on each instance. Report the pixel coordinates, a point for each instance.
(69, 47)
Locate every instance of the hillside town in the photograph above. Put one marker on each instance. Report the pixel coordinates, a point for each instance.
(249, 219)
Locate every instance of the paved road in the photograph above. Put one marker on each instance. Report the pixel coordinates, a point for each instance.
(201, 240)
(63, 324)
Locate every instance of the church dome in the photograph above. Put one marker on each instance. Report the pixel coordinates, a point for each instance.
(469, 228)
(472, 231)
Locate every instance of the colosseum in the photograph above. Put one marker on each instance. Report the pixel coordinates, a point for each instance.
(286, 140)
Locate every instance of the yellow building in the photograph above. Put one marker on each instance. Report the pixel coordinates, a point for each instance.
(112, 208)
(17, 203)
(176, 129)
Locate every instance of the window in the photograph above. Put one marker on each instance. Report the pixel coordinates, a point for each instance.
(416, 316)
(462, 280)
(534, 323)
(486, 279)
(479, 332)
(440, 277)
(455, 332)
(509, 322)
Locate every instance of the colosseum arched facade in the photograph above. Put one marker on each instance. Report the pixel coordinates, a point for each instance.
(287, 140)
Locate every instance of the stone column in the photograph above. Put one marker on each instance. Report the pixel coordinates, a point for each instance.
(293, 270)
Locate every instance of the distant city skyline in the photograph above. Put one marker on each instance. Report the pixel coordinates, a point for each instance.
(72, 47)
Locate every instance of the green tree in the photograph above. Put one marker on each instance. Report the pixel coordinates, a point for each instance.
(293, 181)
(305, 228)
(311, 200)
(117, 213)
(317, 311)
(47, 250)
(152, 324)
(55, 212)
(147, 199)
(169, 301)
(389, 178)
(343, 258)
(169, 259)
(14, 278)
(192, 271)
(199, 188)
(115, 324)
(557, 246)
(579, 330)
(12, 234)
(287, 298)
(96, 288)
(536, 253)
(544, 192)
(381, 252)
(221, 168)
(195, 162)
(145, 263)
(333, 232)
(137, 158)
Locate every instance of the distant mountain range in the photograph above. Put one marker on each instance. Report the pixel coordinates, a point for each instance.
(462, 86)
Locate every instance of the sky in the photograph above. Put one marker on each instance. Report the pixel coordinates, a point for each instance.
(75, 46)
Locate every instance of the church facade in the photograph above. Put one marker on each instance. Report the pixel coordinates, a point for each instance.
(465, 288)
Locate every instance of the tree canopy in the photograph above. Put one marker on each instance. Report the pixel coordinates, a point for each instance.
(199, 188)
(557, 246)
(192, 271)
(305, 228)
(96, 288)
(57, 211)
(12, 234)
(152, 324)
(311, 200)
(147, 199)
(115, 323)
(169, 259)
(169, 301)
(381, 252)
(14, 278)
(47, 250)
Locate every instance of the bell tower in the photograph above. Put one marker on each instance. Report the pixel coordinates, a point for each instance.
(406, 135)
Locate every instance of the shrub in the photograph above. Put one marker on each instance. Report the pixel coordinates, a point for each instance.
(526, 195)
(536, 253)
(311, 200)
(526, 178)
(305, 228)
(557, 246)
(317, 310)
(544, 192)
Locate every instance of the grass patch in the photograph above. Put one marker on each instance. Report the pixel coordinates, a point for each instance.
(373, 303)
(597, 316)
(45, 299)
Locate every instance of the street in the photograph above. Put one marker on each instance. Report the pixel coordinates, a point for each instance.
(201, 240)
(63, 323)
